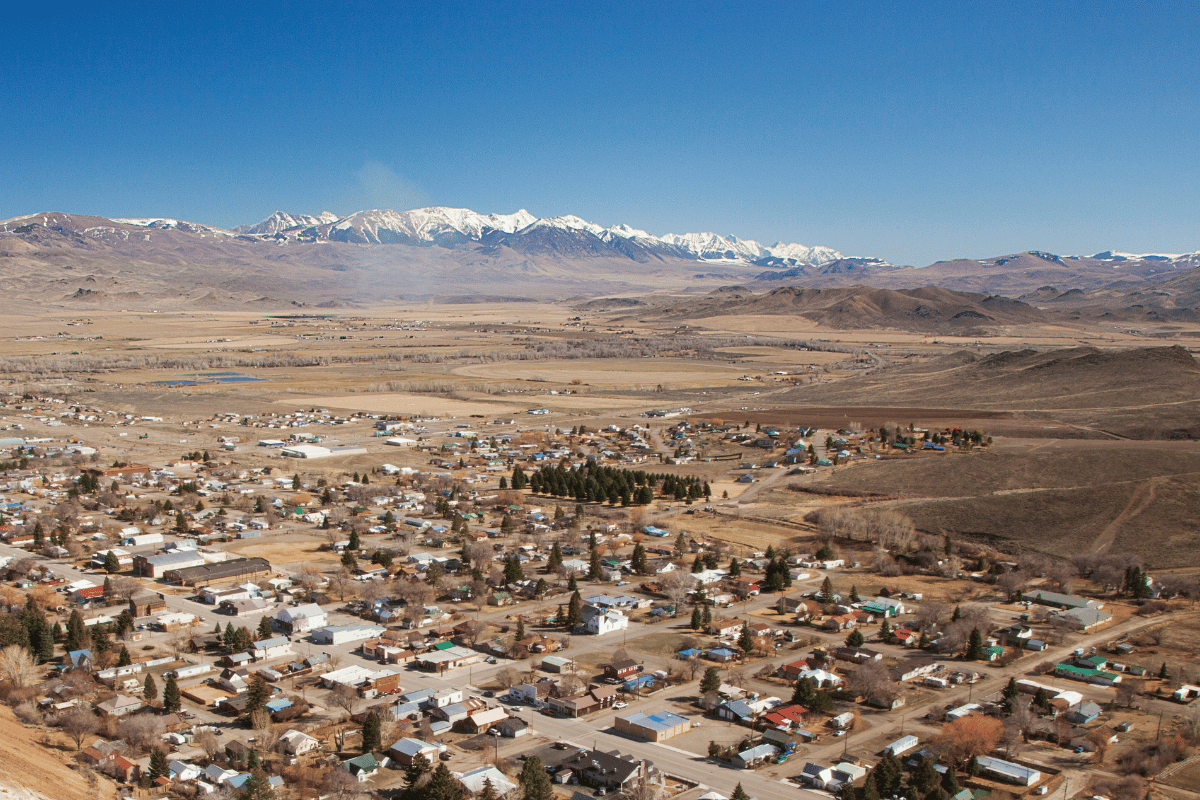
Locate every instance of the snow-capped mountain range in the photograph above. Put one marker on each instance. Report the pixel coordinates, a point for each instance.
(450, 226)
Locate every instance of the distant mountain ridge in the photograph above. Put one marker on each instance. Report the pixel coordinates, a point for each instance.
(434, 252)
(453, 226)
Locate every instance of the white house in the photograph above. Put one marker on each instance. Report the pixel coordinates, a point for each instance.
(598, 621)
(297, 743)
(275, 647)
(302, 618)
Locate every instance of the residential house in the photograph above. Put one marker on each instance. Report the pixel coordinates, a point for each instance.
(480, 722)
(297, 743)
(621, 669)
(406, 750)
(599, 769)
(364, 766)
(118, 706)
(595, 699)
(599, 622)
(268, 649)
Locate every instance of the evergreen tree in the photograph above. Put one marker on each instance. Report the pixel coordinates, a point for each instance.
(257, 694)
(680, 544)
(512, 570)
(950, 780)
(252, 760)
(888, 774)
(507, 526)
(256, 787)
(443, 786)
(518, 480)
(123, 658)
(885, 631)
(349, 561)
(739, 793)
(541, 587)
(926, 778)
(804, 692)
(957, 615)
(575, 611)
(638, 560)
(158, 764)
(171, 696)
(534, 780)
(870, 789)
(572, 583)
(1163, 673)
(150, 690)
(735, 567)
(77, 637)
(264, 628)
(355, 542)
(855, 639)
(111, 565)
(707, 620)
(854, 598)
(746, 639)
(123, 625)
(296, 482)
(520, 633)
(1011, 691)
(413, 773)
(711, 681)
(181, 523)
(488, 792)
(975, 648)
(973, 767)
(594, 564)
(555, 560)
(697, 618)
(826, 595)
(372, 734)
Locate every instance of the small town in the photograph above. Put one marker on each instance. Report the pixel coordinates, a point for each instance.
(506, 606)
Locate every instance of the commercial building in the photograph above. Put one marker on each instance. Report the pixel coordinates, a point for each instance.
(656, 727)
(340, 634)
(237, 568)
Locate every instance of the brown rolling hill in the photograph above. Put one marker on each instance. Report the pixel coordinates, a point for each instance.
(927, 309)
(1143, 393)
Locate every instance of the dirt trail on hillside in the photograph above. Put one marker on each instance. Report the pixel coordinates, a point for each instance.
(1141, 499)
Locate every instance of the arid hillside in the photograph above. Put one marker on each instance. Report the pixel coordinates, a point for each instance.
(929, 308)
(1143, 393)
(1065, 498)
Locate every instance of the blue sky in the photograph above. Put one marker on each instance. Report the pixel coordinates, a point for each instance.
(909, 131)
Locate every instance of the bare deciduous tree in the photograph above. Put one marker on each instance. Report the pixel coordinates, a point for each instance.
(17, 666)
(140, 730)
(344, 697)
(79, 723)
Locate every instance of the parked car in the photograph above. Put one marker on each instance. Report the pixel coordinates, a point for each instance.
(620, 704)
